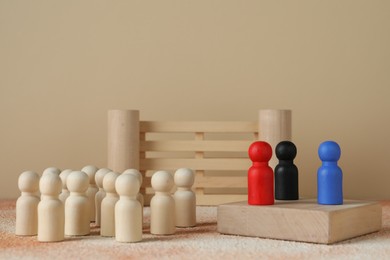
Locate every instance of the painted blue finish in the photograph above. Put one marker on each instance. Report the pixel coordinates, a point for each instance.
(329, 175)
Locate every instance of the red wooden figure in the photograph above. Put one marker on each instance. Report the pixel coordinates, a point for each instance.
(260, 175)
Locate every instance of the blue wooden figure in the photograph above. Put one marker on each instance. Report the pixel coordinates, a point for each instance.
(329, 175)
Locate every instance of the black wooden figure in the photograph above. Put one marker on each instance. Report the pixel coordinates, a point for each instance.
(286, 173)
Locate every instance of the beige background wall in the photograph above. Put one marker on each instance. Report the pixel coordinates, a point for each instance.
(63, 64)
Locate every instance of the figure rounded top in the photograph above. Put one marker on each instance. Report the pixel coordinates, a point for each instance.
(260, 151)
(77, 181)
(329, 151)
(184, 177)
(90, 170)
(51, 170)
(109, 182)
(134, 172)
(28, 181)
(50, 184)
(286, 150)
(127, 185)
(162, 181)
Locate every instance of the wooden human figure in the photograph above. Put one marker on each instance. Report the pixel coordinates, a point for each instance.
(51, 170)
(91, 170)
(50, 209)
(77, 205)
(329, 175)
(100, 194)
(27, 204)
(138, 174)
(128, 210)
(107, 224)
(286, 172)
(140, 197)
(162, 205)
(260, 175)
(65, 192)
(185, 199)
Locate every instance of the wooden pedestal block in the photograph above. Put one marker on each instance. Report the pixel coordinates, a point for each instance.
(302, 220)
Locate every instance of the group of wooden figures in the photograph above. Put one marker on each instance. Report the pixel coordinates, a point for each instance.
(265, 185)
(70, 200)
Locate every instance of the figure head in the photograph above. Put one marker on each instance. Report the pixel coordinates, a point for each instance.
(162, 181)
(329, 151)
(127, 185)
(260, 151)
(77, 181)
(28, 181)
(184, 177)
(90, 170)
(286, 150)
(109, 182)
(134, 172)
(50, 184)
(51, 170)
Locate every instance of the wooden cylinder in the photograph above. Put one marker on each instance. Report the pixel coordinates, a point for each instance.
(274, 127)
(123, 140)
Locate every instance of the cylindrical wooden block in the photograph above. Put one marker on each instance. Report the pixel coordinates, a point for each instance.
(123, 140)
(274, 127)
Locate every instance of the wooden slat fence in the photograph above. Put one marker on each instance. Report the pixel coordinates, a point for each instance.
(227, 187)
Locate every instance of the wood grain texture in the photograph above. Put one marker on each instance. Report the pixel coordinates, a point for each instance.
(199, 155)
(302, 220)
(196, 145)
(198, 126)
(212, 182)
(204, 146)
(217, 199)
(225, 164)
(123, 139)
(275, 126)
(221, 182)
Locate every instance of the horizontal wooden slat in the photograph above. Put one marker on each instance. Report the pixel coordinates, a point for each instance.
(201, 146)
(201, 126)
(211, 182)
(221, 182)
(211, 200)
(233, 164)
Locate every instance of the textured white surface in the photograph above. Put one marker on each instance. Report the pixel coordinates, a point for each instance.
(201, 242)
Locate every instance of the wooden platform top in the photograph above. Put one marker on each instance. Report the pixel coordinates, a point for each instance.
(309, 204)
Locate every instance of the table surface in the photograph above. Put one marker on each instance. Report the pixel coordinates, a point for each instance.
(200, 242)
